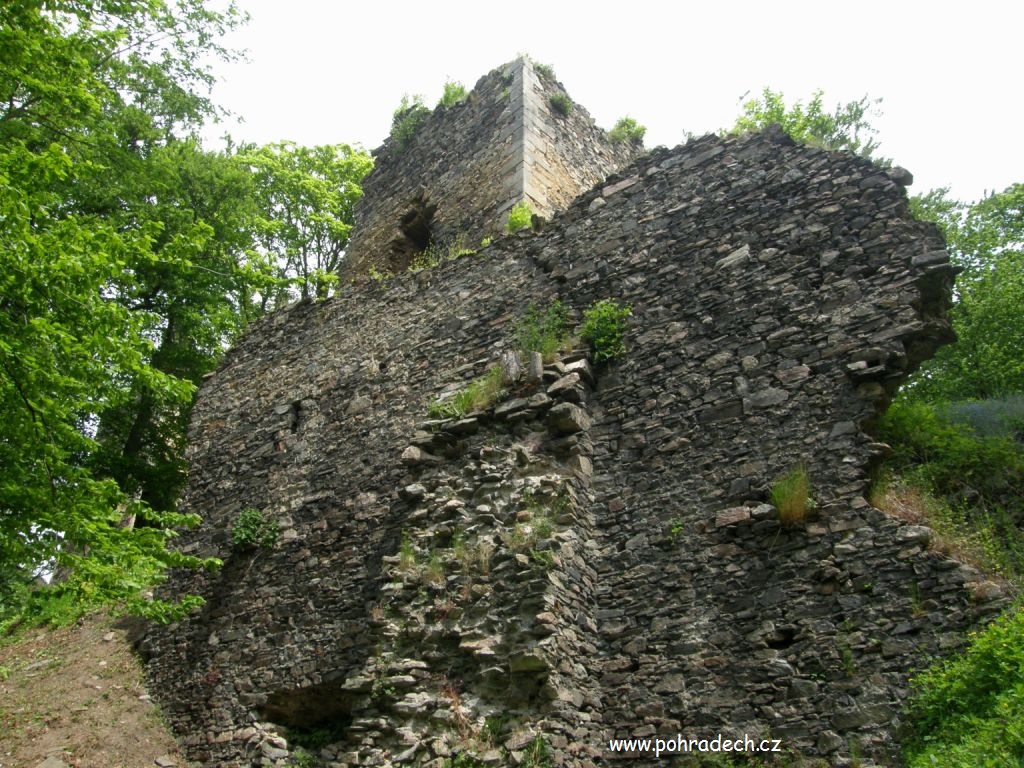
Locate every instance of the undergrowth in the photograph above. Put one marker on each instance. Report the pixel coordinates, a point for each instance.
(966, 484)
(969, 488)
(968, 712)
(544, 329)
(479, 394)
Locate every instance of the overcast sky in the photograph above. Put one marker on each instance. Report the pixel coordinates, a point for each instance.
(949, 74)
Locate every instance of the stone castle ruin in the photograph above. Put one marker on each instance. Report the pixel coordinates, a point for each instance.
(594, 555)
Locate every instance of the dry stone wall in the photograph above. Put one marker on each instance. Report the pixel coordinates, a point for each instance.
(595, 555)
(468, 164)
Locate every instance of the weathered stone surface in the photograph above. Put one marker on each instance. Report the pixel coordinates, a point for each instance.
(567, 419)
(359, 405)
(618, 579)
(732, 517)
(510, 147)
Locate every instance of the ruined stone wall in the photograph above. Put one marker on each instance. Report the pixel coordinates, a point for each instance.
(595, 556)
(474, 161)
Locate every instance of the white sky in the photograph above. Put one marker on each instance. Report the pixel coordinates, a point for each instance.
(949, 74)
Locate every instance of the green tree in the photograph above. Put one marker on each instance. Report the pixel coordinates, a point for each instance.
(88, 91)
(985, 239)
(846, 127)
(307, 198)
(196, 282)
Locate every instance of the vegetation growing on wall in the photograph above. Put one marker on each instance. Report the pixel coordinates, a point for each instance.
(481, 393)
(791, 496)
(627, 129)
(454, 93)
(407, 119)
(561, 104)
(546, 71)
(544, 330)
(519, 217)
(848, 126)
(437, 253)
(604, 329)
(253, 530)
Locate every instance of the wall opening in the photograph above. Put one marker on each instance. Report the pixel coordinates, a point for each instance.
(415, 232)
(313, 716)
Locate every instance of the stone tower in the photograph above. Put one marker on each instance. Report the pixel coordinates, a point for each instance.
(516, 137)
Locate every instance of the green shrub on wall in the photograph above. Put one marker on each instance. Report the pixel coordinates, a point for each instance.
(407, 119)
(627, 129)
(253, 531)
(519, 217)
(561, 104)
(454, 93)
(544, 330)
(604, 329)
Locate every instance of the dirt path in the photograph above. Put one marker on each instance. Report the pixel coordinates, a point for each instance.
(75, 695)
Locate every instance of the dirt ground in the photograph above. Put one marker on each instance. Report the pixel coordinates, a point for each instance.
(77, 694)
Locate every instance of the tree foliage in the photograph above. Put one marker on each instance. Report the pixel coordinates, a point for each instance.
(90, 94)
(195, 282)
(847, 126)
(986, 239)
(131, 259)
(306, 198)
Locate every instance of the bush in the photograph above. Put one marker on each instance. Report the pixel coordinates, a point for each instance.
(791, 496)
(253, 531)
(604, 328)
(454, 93)
(627, 129)
(561, 104)
(545, 331)
(407, 119)
(986, 473)
(545, 71)
(968, 712)
(519, 217)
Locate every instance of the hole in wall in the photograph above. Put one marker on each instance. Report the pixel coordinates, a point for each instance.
(781, 637)
(414, 231)
(295, 417)
(313, 716)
